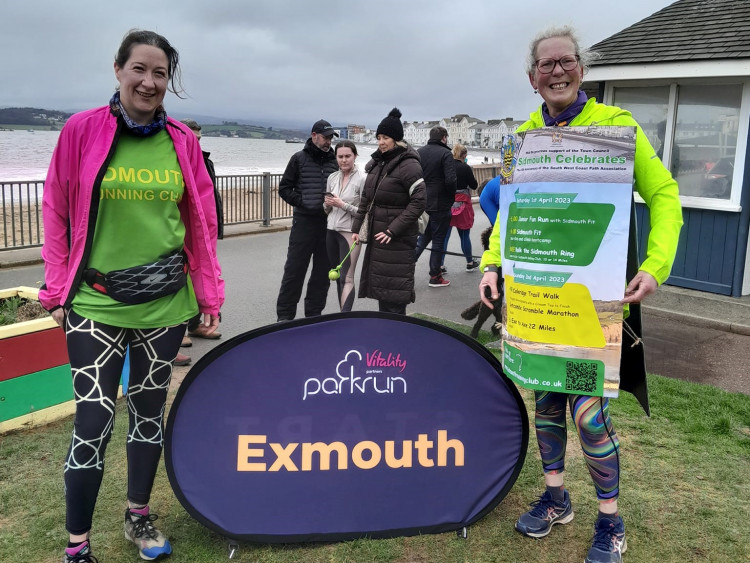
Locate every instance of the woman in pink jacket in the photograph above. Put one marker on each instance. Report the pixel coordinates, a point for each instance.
(130, 256)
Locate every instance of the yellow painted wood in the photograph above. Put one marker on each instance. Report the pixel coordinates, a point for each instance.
(21, 291)
(27, 326)
(38, 418)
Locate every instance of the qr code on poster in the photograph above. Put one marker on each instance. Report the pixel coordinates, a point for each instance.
(580, 377)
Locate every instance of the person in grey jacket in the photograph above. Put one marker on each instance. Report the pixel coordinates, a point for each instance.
(303, 186)
(344, 190)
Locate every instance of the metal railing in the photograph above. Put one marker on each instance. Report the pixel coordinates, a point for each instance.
(249, 198)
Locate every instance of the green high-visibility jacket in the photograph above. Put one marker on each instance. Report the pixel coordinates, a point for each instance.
(653, 182)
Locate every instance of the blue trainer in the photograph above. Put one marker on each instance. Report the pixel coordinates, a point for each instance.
(139, 529)
(609, 541)
(545, 513)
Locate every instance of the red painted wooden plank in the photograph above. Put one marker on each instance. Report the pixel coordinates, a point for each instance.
(32, 352)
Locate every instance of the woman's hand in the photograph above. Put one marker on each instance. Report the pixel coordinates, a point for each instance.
(211, 322)
(334, 201)
(640, 287)
(59, 317)
(488, 284)
(383, 237)
(355, 237)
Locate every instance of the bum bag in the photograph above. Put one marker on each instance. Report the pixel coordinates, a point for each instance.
(141, 284)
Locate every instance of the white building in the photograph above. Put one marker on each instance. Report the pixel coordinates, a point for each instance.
(418, 133)
(458, 128)
(495, 130)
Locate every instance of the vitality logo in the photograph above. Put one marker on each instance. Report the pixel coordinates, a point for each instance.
(351, 380)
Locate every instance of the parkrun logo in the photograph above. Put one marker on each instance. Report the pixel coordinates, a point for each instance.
(347, 382)
(363, 455)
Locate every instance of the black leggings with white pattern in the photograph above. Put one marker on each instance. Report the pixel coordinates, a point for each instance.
(97, 354)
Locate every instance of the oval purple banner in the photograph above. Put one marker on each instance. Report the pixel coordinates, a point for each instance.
(344, 426)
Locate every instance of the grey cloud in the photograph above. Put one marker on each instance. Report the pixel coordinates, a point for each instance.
(284, 61)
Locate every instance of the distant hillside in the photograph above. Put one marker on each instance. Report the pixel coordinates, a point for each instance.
(53, 120)
(33, 117)
(235, 129)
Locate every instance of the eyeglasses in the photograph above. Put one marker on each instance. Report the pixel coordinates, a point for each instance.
(546, 66)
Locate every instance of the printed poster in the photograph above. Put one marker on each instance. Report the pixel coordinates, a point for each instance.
(564, 223)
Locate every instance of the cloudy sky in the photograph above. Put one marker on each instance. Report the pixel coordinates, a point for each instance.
(291, 62)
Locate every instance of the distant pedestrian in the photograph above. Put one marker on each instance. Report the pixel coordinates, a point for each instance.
(152, 225)
(462, 212)
(344, 190)
(395, 188)
(556, 66)
(196, 129)
(303, 186)
(439, 172)
(195, 328)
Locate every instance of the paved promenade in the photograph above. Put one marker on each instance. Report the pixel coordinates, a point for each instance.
(688, 334)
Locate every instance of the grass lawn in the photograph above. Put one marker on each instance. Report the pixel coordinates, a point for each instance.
(685, 486)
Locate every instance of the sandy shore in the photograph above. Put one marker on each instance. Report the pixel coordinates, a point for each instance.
(243, 203)
(22, 226)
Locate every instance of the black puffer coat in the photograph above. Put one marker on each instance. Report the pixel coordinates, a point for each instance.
(388, 269)
(303, 184)
(439, 170)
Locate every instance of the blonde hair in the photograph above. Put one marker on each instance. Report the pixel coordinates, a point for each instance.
(459, 151)
(586, 56)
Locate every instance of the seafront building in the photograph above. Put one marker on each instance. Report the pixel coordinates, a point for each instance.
(684, 73)
(462, 128)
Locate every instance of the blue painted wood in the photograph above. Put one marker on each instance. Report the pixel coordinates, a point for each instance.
(707, 250)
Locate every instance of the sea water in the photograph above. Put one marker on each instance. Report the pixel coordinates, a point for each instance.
(25, 155)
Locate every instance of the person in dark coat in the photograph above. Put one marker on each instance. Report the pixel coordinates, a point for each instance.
(395, 187)
(303, 186)
(439, 172)
(195, 327)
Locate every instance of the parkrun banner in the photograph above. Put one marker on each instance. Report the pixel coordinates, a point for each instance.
(564, 219)
(344, 426)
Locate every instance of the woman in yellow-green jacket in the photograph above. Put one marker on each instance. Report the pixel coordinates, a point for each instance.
(555, 67)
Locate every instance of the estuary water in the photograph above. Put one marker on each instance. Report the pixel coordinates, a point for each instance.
(25, 155)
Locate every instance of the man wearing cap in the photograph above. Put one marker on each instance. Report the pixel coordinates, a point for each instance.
(303, 186)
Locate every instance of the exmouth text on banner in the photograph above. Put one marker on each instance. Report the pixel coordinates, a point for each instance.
(364, 455)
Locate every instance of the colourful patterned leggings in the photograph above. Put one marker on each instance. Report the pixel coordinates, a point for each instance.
(97, 353)
(598, 439)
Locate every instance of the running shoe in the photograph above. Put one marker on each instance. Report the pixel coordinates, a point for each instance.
(439, 281)
(609, 541)
(471, 266)
(139, 528)
(545, 513)
(80, 554)
(182, 360)
(201, 332)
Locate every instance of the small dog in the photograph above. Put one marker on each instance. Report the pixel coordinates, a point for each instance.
(479, 310)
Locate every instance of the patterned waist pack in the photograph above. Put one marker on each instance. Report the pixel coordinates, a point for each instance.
(141, 284)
